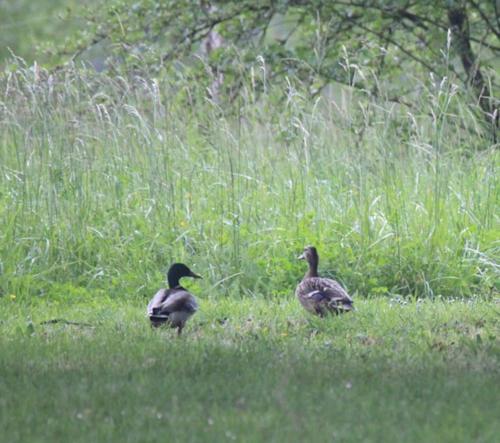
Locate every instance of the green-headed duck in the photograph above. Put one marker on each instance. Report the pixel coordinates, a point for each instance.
(174, 305)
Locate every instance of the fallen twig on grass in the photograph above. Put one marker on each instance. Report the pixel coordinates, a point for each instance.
(66, 322)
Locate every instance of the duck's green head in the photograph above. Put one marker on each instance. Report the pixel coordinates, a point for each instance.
(177, 271)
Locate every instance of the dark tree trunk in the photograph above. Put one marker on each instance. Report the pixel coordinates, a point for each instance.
(459, 24)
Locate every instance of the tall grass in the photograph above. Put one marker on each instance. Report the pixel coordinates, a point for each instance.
(105, 180)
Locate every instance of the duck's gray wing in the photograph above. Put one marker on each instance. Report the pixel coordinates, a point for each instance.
(178, 301)
(157, 300)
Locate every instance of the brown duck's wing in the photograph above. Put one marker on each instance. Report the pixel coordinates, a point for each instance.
(334, 290)
(177, 300)
(321, 295)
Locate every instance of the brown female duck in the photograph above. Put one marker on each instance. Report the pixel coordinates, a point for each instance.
(174, 305)
(321, 295)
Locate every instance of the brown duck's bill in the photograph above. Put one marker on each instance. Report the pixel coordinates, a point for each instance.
(301, 257)
(195, 275)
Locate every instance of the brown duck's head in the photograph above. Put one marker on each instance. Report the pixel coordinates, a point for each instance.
(177, 271)
(310, 255)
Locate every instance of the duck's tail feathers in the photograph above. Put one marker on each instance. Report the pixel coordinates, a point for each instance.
(158, 319)
(342, 305)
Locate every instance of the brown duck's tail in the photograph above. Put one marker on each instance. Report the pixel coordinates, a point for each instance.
(341, 306)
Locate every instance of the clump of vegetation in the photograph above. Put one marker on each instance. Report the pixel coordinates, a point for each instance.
(227, 153)
(106, 180)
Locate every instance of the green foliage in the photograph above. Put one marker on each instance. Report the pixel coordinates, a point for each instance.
(104, 181)
(379, 48)
(32, 29)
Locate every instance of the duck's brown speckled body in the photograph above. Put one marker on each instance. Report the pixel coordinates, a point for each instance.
(320, 295)
(175, 305)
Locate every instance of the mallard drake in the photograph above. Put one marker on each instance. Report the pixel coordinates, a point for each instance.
(173, 305)
(321, 295)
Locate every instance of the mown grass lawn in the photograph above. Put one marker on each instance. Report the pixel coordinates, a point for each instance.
(250, 370)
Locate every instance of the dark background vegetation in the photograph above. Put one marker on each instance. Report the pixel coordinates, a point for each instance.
(228, 135)
(370, 96)
(304, 39)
